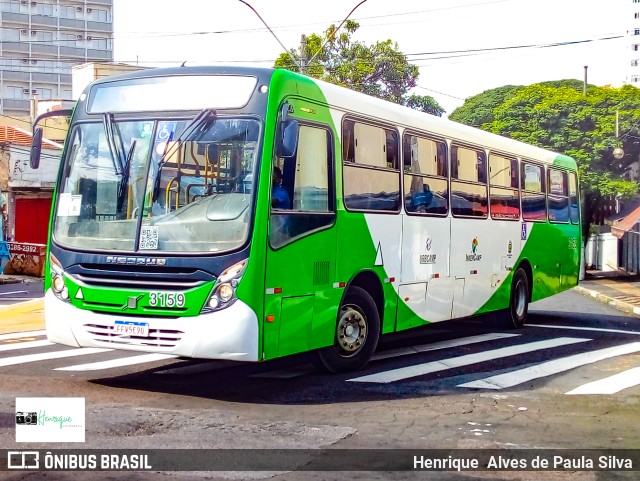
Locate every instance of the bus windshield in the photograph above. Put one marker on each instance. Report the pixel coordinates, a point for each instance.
(158, 185)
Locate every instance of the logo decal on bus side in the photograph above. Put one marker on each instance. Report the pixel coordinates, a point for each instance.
(428, 258)
(474, 257)
(523, 232)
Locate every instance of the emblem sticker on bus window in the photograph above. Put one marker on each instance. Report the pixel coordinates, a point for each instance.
(69, 205)
(148, 237)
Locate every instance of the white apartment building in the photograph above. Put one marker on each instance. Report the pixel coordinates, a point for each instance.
(633, 36)
(41, 40)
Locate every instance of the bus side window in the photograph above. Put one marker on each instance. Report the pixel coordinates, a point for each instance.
(534, 201)
(469, 182)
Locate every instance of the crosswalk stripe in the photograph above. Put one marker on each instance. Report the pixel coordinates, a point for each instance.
(112, 363)
(611, 384)
(594, 329)
(12, 361)
(454, 362)
(549, 368)
(25, 345)
(442, 345)
(18, 335)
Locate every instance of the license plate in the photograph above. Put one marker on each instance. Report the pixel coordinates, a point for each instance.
(131, 328)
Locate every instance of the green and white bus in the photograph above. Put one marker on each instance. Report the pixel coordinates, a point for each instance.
(165, 235)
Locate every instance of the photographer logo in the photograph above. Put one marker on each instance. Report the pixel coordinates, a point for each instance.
(50, 419)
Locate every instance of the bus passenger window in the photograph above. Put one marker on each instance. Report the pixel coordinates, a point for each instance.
(371, 178)
(534, 202)
(425, 169)
(558, 196)
(503, 188)
(574, 209)
(468, 182)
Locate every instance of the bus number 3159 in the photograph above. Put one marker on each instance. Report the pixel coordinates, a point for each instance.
(166, 299)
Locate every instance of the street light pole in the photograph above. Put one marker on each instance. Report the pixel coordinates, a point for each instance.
(618, 151)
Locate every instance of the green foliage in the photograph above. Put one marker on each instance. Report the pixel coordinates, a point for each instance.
(558, 116)
(379, 70)
(479, 110)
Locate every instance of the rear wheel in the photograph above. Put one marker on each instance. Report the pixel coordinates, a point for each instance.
(356, 335)
(519, 300)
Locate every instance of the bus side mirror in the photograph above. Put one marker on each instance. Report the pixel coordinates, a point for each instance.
(36, 149)
(287, 139)
(286, 134)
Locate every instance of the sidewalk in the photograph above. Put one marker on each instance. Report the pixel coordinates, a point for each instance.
(616, 288)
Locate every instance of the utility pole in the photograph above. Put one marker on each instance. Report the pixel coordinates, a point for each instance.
(303, 54)
(584, 85)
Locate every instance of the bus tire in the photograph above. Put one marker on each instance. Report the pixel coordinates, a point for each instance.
(518, 300)
(356, 335)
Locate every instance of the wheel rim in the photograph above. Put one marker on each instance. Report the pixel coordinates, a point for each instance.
(520, 303)
(351, 333)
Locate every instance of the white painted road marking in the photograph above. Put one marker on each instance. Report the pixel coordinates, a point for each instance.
(20, 335)
(25, 345)
(113, 363)
(12, 361)
(595, 329)
(442, 345)
(548, 368)
(611, 384)
(454, 362)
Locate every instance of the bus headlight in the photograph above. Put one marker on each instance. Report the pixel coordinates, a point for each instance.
(223, 293)
(57, 283)
(56, 272)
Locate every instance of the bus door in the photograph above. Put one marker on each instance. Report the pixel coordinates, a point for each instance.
(300, 300)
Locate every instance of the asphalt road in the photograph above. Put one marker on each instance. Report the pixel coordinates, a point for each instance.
(461, 384)
(21, 291)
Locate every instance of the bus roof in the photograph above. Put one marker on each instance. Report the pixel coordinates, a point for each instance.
(358, 103)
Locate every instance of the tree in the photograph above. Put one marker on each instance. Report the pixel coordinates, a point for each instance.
(559, 117)
(379, 70)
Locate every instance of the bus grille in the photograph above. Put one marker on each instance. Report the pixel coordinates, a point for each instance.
(161, 338)
(167, 283)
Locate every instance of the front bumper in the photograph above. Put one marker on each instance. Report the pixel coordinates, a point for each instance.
(230, 334)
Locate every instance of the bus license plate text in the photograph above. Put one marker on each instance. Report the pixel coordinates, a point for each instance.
(131, 328)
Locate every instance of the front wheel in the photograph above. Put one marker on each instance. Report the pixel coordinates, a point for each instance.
(356, 335)
(519, 300)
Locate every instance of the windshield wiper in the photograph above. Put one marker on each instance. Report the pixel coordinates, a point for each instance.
(114, 149)
(124, 181)
(197, 125)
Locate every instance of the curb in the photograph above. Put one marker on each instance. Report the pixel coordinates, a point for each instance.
(9, 280)
(616, 304)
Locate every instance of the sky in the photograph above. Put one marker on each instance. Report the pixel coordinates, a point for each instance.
(445, 38)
